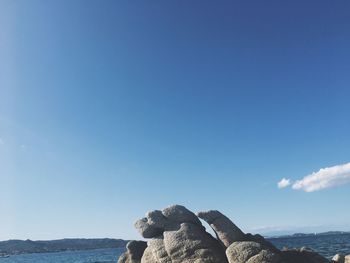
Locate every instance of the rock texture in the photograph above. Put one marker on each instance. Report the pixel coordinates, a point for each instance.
(226, 231)
(303, 255)
(134, 252)
(339, 258)
(177, 235)
(250, 252)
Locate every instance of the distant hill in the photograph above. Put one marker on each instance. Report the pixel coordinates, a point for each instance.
(329, 233)
(29, 246)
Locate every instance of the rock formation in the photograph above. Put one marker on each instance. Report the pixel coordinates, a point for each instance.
(338, 258)
(134, 252)
(176, 235)
(226, 231)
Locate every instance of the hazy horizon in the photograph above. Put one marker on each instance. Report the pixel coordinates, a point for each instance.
(110, 109)
(271, 231)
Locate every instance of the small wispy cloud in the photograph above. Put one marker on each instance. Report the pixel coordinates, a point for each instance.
(283, 183)
(325, 178)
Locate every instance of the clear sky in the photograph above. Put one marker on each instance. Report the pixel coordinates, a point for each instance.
(109, 109)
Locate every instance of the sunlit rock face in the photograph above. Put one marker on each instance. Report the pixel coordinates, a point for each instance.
(339, 258)
(175, 234)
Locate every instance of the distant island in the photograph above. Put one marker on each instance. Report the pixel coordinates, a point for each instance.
(296, 235)
(12, 247)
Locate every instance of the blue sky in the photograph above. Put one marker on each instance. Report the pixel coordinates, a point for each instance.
(109, 109)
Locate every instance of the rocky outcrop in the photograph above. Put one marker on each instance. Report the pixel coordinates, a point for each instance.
(302, 255)
(176, 235)
(250, 252)
(134, 252)
(156, 222)
(339, 258)
(226, 231)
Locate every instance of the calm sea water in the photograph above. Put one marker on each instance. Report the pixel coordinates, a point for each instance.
(84, 256)
(325, 245)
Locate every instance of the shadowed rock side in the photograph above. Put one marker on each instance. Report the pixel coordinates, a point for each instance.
(134, 252)
(226, 231)
(177, 235)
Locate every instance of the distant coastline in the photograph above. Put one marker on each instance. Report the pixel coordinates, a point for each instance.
(15, 247)
(296, 235)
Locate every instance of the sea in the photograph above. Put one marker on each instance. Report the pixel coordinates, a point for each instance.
(327, 246)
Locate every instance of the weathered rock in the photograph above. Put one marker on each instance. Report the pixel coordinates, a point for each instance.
(157, 219)
(133, 253)
(302, 255)
(156, 222)
(262, 241)
(338, 258)
(177, 236)
(148, 256)
(191, 243)
(226, 231)
(155, 251)
(250, 252)
(347, 259)
(180, 214)
(265, 256)
(146, 230)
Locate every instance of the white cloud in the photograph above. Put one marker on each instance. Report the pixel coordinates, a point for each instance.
(283, 183)
(325, 178)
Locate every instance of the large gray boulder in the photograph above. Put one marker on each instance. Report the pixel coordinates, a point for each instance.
(339, 258)
(262, 241)
(134, 252)
(156, 222)
(226, 231)
(176, 235)
(180, 214)
(155, 251)
(146, 229)
(191, 243)
(250, 252)
(302, 255)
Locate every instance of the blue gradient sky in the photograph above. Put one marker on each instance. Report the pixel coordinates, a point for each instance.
(112, 108)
